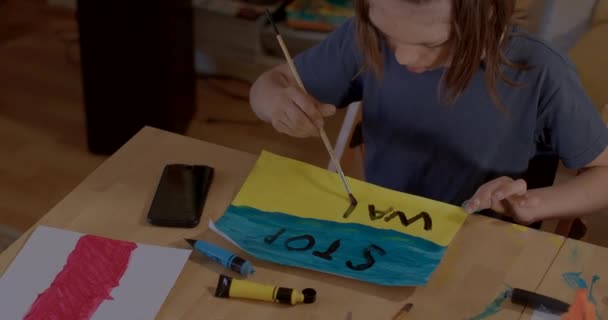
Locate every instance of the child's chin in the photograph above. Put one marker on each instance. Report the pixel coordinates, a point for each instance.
(416, 69)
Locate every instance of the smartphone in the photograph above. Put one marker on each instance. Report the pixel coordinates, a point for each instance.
(180, 195)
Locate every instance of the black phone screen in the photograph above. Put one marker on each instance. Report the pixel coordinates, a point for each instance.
(180, 195)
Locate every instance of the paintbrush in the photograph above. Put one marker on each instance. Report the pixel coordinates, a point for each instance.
(322, 133)
(401, 314)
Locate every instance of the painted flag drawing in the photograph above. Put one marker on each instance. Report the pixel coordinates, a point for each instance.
(292, 213)
(61, 274)
(93, 269)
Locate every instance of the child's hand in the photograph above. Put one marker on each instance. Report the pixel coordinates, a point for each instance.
(298, 114)
(507, 196)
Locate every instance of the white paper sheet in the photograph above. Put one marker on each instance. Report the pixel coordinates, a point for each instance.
(221, 234)
(541, 315)
(150, 275)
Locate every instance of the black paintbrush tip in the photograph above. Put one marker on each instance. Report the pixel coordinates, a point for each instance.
(353, 201)
(191, 242)
(274, 26)
(407, 307)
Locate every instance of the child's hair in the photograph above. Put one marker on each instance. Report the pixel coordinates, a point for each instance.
(480, 29)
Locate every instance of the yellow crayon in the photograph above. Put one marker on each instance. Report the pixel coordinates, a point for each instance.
(228, 287)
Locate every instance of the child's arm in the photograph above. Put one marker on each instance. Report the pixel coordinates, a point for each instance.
(568, 125)
(328, 71)
(276, 98)
(585, 194)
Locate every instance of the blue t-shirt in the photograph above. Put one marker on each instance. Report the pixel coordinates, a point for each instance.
(417, 144)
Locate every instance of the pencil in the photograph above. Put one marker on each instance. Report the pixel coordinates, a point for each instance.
(322, 133)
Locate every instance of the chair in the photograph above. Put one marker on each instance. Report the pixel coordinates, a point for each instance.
(349, 146)
(350, 149)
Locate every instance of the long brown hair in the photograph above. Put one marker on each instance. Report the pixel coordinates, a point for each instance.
(480, 29)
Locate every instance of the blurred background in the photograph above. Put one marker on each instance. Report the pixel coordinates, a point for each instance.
(79, 78)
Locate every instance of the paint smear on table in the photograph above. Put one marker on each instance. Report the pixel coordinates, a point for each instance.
(575, 281)
(594, 280)
(574, 254)
(556, 240)
(60, 274)
(519, 228)
(494, 307)
(93, 269)
(519, 234)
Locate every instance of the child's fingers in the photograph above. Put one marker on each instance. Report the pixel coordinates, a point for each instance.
(327, 110)
(284, 125)
(482, 199)
(299, 123)
(524, 201)
(516, 200)
(517, 187)
(307, 105)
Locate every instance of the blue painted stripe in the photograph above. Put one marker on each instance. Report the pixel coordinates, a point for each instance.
(409, 260)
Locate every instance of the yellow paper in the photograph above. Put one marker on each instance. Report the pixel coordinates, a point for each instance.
(279, 184)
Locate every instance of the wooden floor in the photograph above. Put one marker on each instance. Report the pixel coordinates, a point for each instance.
(43, 154)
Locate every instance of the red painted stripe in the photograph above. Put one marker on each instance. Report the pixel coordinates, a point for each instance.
(93, 269)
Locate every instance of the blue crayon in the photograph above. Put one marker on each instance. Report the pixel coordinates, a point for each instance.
(223, 257)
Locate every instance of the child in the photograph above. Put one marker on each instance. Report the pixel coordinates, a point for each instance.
(456, 101)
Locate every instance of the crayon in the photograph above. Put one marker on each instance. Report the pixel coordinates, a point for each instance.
(228, 287)
(223, 257)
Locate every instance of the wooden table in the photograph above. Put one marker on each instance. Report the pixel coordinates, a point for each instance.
(484, 258)
(580, 262)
